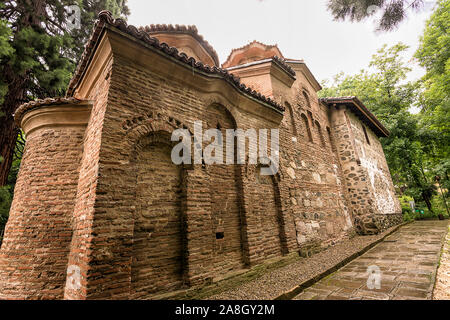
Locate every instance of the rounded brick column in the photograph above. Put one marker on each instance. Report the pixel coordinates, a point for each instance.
(33, 255)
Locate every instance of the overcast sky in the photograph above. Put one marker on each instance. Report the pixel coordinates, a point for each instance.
(302, 29)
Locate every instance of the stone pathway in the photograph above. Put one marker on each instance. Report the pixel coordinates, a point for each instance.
(406, 260)
(273, 284)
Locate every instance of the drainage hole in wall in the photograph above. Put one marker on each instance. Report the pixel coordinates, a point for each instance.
(219, 235)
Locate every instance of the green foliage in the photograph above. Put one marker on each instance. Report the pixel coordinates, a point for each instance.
(407, 214)
(411, 147)
(39, 51)
(406, 207)
(405, 200)
(434, 55)
(427, 214)
(439, 206)
(392, 11)
(7, 192)
(37, 46)
(118, 8)
(6, 50)
(5, 203)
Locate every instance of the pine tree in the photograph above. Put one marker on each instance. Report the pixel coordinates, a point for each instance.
(38, 53)
(392, 11)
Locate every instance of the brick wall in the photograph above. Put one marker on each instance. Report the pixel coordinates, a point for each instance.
(33, 256)
(158, 246)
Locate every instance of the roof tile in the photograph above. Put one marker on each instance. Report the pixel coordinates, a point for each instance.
(105, 18)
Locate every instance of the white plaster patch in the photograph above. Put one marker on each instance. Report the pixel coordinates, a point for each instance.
(315, 224)
(316, 177)
(73, 279)
(383, 198)
(291, 173)
(336, 175)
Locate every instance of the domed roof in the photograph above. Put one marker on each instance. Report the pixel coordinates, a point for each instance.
(186, 39)
(253, 51)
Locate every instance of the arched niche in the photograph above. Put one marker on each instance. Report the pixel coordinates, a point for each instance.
(306, 98)
(159, 239)
(320, 133)
(226, 197)
(290, 121)
(265, 206)
(307, 128)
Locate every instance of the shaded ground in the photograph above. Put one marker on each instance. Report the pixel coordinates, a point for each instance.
(275, 283)
(407, 261)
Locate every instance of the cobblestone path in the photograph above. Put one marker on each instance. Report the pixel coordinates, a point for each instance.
(403, 266)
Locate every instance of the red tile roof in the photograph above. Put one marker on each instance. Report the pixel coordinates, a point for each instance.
(106, 20)
(282, 63)
(191, 30)
(22, 109)
(361, 111)
(228, 62)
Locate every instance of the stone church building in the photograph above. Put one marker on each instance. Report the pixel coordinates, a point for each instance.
(101, 212)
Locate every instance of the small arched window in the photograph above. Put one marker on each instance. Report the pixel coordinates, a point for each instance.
(319, 132)
(305, 95)
(308, 130)
(291, 115)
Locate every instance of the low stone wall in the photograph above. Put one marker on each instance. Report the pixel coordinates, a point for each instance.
(385, 221)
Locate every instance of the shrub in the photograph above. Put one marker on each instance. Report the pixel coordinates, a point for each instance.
(407, 212)
(5, 204)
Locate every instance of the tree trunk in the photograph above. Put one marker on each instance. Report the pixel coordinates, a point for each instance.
(8, 130)
(427, 202)
(8, 136)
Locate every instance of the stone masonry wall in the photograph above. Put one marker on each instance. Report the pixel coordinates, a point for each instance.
(373, 161)
(354, 176)
(312, 190)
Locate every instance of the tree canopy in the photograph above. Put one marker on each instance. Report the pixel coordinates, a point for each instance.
(412, 149)
(38, 53)
(393, 12)
(434, 55)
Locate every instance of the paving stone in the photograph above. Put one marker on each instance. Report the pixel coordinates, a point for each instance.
(407, 275)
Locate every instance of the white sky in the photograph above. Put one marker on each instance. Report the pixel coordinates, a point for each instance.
(303, 29)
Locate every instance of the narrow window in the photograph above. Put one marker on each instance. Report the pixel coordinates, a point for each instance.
(305, 95)
(308, 130)
(319, 131)
(291, 114)
(365, 134)
(311, 117)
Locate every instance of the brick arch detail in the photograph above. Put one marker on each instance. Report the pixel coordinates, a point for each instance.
(219, 100)
(292, 122)
(139, 127)
(236, 223)
(157, 133)
(282, 219)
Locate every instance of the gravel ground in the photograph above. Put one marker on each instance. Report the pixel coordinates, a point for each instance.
(442, 287)
(274, 283)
